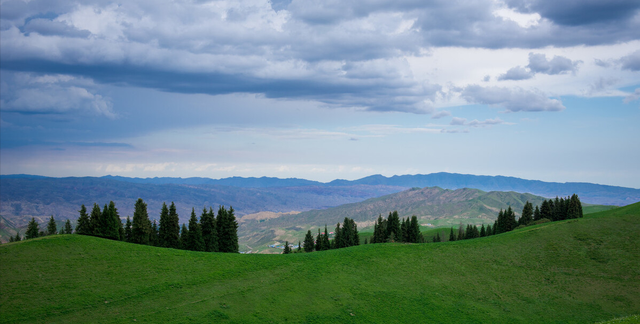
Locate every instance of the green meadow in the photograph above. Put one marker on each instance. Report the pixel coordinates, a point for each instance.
(575, 271)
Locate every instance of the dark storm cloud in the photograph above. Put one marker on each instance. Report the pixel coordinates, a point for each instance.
(579, 12)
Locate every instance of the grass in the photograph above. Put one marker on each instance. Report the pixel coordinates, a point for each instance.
(575, 271)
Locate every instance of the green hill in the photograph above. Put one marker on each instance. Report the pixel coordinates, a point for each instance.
(575, 271)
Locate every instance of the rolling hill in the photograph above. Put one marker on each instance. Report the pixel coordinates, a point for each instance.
(575, 271)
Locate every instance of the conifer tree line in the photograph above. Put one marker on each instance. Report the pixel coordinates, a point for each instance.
(345, 235)
(33, 230)
(210, 233)
(550, 210)
(393, 230)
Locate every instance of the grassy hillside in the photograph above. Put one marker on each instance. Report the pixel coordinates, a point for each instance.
(575, 271)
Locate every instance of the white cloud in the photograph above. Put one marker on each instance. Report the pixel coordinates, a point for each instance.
(513, 100)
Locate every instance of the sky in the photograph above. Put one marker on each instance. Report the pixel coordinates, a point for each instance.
(321, 90)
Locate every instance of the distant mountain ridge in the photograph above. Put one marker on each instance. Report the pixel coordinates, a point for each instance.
(588, 192)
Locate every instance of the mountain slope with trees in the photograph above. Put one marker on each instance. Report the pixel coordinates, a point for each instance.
(573, 271)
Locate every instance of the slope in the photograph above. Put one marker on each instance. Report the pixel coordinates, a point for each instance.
(576, 271)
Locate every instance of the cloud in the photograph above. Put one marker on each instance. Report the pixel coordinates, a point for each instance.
(538, 63)
(49, 28)
(440, 114)
(632, 97)
(29, 93)
(516, 73)
(631, 62)
(579, 13)
(512, 100)
(455, 121)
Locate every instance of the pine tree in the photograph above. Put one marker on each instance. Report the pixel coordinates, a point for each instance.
(380, 231)
(500, 222)
(393, 225)
(227, 231)
(209, 231)
(17, 238)
(172, 234)
(103, 222)
(111, 222)
(287, 249)
(163, 230)
(527, 214)
(452, 236)
(154, 235)
(404, 230)
(32, 229)
(461, 233)
(511, 219)
(141, 226)
(365, 240)
(308, 242)
(574, 208)
(184, 234)
(299, 246)
(413, 230)
(67, 227)
(489, 230)
(545, 210)
(51, 227)
(536, 214)
(194, 240)
(128, 237)
(483, 231)
(84, 222)
(318, 245)
(96, 214)
(325, 239)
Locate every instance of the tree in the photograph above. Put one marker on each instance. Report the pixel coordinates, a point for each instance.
(536, 214)
(17, 238)
(171, 229)
(489, 230)
(84, 222)
(452, 236)
(153, 236)
(32, 229)
(287, 249)
(67, 227)
(194, 240)
(379, 231)
(413, 230)
(319, 241)
(227, 230)
(393, 225)
(184, 234)
(95, 219)
(111, 222)
(308, 242)
(325, 239)
(527, 214)
(141, 227)
(461, 233)
(209, 230)
(299, 246)
(51, 227)
(164, 226)
(483, 231)
(545, 210)
(574, 207)
(128, 237)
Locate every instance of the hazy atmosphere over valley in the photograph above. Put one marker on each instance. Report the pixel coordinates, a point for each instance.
(543, 90)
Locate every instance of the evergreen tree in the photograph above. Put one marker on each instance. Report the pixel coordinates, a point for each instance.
(452, 236)
(32, 229)
(483, 231)
(501, 222)
(510, 217)
(154, 235)
(365, 240)
(308, 242)
(121, 230)
(227, 230)
(536, 214)
(325, 239)
(527, 214)
(112, 222)
(184, 234)
(128, 237)
(287, 249)
(574, 207)
(379, 231)
(393, 225)
(172, 233)
(194, 240)
(209, 230)
(404, 230)
(96, 214)
(51, 227)
(103, 223)
(489, 230)
(67, 227)
(337, 238)
(545, 210)
(461, 233)
(84, 222)
(163, 230)
(413, 230)
(17, 238)
(141, 226)
(319, 241)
